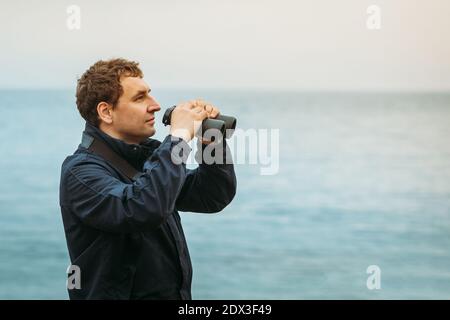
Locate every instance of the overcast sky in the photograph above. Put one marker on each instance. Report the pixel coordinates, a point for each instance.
(273, 44)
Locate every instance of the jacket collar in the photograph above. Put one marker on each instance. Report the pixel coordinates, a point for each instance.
(135, 154)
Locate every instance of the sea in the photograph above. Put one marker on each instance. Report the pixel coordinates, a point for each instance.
(356, 205)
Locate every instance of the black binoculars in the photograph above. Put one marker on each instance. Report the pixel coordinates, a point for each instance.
(225, 124)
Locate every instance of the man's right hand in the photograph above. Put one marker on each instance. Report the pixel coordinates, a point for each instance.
(187, 118)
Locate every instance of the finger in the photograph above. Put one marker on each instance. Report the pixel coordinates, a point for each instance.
(192, 104)
(198, 109)
(200, 102)
(203, 114)
(214, 113)
(203, 141)
(209, 108)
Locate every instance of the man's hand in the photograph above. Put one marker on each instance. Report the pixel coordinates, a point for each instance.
(186, 119)
(212, 112)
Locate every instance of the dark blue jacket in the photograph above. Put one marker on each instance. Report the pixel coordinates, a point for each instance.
(126, 236)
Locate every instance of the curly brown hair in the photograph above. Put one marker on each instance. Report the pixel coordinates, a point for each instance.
(101, 82)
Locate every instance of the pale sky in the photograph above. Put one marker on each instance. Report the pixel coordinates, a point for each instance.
(269, 44)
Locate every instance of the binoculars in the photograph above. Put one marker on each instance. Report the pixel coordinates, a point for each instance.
(225, 124)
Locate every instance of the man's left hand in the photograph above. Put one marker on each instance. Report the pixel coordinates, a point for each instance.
(212, 112)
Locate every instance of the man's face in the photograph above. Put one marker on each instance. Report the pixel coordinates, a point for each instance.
(134, 114)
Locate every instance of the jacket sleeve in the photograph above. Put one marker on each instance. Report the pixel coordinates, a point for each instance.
(210, 187)
(104, 202)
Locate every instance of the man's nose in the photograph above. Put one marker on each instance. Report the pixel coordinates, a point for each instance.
(154, 105)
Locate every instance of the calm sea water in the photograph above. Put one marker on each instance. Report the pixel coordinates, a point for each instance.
(364, 179)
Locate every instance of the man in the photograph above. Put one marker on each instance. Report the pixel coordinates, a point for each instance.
(123, 230)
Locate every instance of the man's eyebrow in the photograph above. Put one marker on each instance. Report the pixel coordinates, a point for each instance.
(141, 92)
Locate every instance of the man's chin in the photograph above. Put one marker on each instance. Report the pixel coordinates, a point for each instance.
(150, 132)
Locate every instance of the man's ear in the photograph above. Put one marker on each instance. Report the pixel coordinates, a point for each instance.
(104, 111)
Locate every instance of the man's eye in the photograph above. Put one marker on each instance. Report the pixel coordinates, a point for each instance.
(139, 98)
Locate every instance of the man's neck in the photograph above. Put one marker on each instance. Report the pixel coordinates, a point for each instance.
(113, 133)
